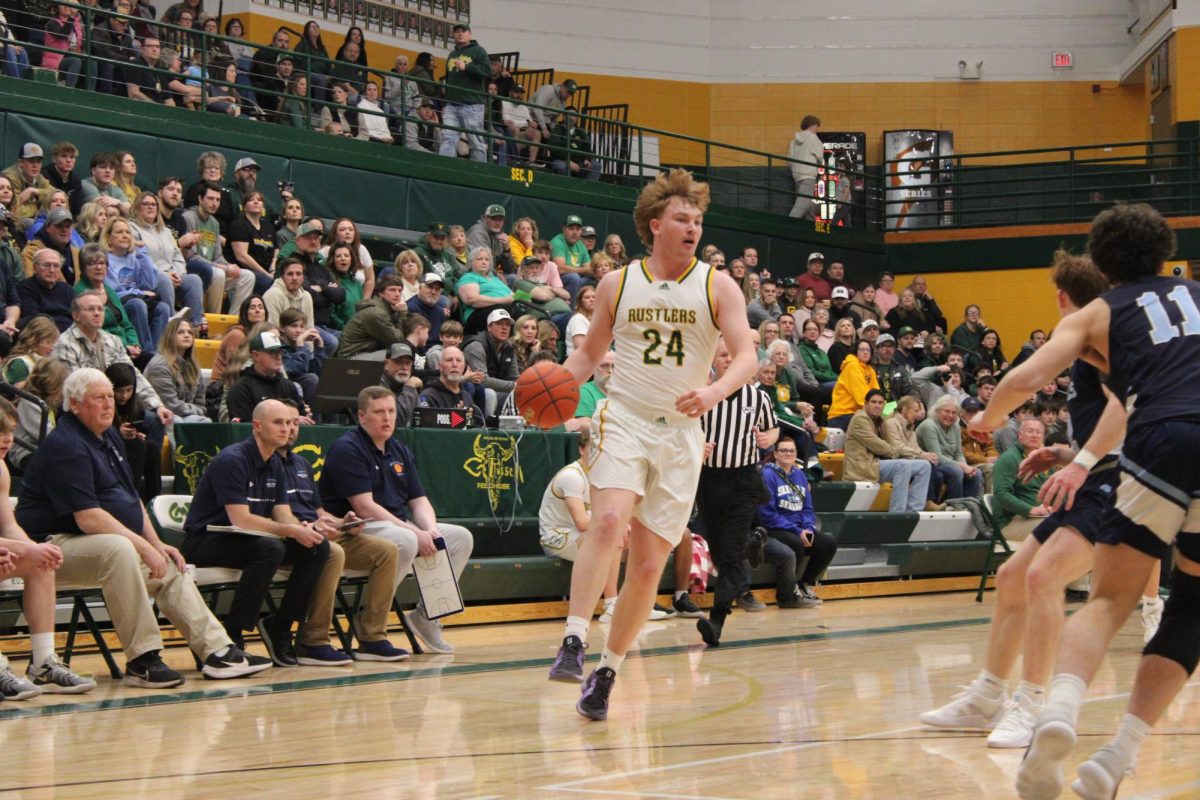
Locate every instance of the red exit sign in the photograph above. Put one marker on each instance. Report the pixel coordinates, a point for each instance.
(1061, 59)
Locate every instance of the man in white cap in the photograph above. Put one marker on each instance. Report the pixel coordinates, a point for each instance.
(869, 331)
(814, 279)
(431, 304)
(839, 306)
(492, 352)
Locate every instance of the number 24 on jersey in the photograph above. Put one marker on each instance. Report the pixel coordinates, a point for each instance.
(674, 347)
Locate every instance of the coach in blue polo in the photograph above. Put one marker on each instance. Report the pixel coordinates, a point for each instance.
(370, 473)
(245, 487)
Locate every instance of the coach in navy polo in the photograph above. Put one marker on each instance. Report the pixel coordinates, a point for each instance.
(245, 487)
(370, 473)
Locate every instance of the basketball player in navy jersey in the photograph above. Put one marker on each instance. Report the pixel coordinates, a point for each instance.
(1144, 333)
(665, 313)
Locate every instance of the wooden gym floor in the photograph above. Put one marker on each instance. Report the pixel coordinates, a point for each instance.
(809, 704)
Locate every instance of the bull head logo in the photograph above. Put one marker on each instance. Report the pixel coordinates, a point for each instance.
(194, 464)
(494, 465)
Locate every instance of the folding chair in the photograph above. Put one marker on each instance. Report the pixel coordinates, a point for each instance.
(997, 541)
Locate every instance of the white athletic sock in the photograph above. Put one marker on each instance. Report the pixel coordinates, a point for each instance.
(1033, 692)
(1131, 735)
(681, 593)
(611, 660)
(993, 683)
(1064, 698)
(577, 626)
(42, 645)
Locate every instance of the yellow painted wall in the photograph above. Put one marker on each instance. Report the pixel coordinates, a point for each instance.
(1184, 66)
(1012, 301)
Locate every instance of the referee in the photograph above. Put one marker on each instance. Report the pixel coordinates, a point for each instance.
(730, 488)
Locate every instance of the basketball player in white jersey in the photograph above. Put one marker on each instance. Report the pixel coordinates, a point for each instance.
(665, 314)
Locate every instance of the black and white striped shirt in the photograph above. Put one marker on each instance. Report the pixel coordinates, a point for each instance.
(730, 427)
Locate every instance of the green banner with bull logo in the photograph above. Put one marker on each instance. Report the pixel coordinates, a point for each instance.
(467, 473)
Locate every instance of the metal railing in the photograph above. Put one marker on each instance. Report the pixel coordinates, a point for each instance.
(1021, 187)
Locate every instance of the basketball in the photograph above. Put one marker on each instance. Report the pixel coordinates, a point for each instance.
(547, 395)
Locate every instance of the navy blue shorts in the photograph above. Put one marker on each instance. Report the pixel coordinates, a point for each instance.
(1158, 497)
(1086, 515)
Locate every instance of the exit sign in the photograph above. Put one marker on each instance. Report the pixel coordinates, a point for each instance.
(1061, 59)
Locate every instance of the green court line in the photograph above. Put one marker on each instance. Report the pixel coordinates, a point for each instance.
(8, 711)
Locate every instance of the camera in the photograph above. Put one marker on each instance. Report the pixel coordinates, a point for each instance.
(1179, 271)
(286, 186)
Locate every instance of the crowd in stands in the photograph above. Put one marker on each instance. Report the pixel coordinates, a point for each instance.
(110, 280)
(297, 83)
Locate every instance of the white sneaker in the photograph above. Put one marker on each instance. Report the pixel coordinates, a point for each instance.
(970, 710)
(658, 612)
(1152, 611)
(1015, 728)
(1096, 780)
(1040, 776)
(428, 631)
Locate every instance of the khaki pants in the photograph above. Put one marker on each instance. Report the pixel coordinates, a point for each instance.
(1019, 529)
(380, 558)
(110, 562)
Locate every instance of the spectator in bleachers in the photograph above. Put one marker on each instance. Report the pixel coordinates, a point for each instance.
(615, 248)
(814, 278)
(251, 238)
(928, 305)
(768, 332)
(821, 317)
(45, 382)
(984, 390)
(303, 352)
(907, 314)
(865, 306)
(856, 378)
(885, 298)
(796, 419)
(969, 333)
(92, 219)
(436, 257)
(835, 274)
(35, 566)
(531, 290)
(293, 108)
(940, 434)
(804, 308)
(554, 96)
(245, 487)
(871, 457)
(344, 262)
(160, 246)
(143, 79)
(488, 233)
(338, 112)
(522, 130)
(319, 281)
(601, 266)
(1015, 501)
(525, 341)
(376, 325)
(492, 353)
(900, 430)
(201, 246)
(571, 255)
(430, 304)
(467, 72)
(263, 71)
(142, 289)
(990, 354)
(175, 375)
(1006, 438)
(46, 292)
(94, 270)
(7, 196)
(317, 66)
(61, 174)
(421, 131)
(224, 99)
(14, 59)
(978, 448)
(211, 165)
(34, 343)
(844, 340)
(1051, 412)
(399, 92)
(346, 232)
(789, 518)
(895, 378)
(570, 149)
(264, 379)
(64, 42)
(372, 118)
(289, 221)
(931, 383)
(28, 184)
(398, 378)
(184, 43)
(523, 239)
(796, 391)
(416, 335)
(347, 71)
(176, 11)
(764, 307)
(357, 55)
(217, 49)
(482, 289)
(549, 338)
(1037, 338)
(839, 307)
(934, 353)
(816, 359)
(242, 53)
(251, 312)
(288, 293)
(807, 154)
(106, 538)
(581, 321)
(56, 199)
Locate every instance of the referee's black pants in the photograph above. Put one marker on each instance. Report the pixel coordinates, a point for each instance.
(728, 500)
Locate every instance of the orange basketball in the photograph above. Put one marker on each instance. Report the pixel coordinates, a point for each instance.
(547, 395)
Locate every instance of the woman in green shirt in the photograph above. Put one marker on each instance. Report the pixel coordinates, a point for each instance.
(482, 290)
(816, 358)
(344, 261)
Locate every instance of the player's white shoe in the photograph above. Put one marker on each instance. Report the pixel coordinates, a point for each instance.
(1040, 776)
(970, 710)
(1100, 776)
(1015, 728)
(1152, 611)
